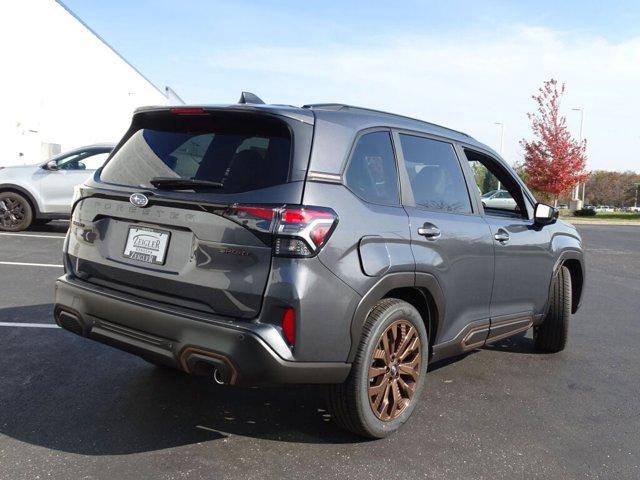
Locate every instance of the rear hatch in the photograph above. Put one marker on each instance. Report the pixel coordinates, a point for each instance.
(184, 210)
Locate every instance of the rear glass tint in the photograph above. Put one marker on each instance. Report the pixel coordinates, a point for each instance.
(372, 173)
(242, 153)
(435, 174)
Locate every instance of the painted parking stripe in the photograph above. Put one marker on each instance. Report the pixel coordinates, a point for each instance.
(29, 235)
(24, 264)
(28, 325)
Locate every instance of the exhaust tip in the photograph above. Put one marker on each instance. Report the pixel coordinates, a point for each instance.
(217, 378)
(201, 362)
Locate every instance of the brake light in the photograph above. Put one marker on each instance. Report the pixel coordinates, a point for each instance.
(289, 325)
(263, 213)
(256, 218)
(303, 231)
(298, 231)
(188, 111)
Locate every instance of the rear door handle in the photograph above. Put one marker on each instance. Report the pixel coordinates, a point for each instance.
(502, 236)
(429, 231)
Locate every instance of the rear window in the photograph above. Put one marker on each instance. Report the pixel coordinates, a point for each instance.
(240, 152)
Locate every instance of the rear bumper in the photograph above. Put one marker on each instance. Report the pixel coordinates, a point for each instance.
(238, 350)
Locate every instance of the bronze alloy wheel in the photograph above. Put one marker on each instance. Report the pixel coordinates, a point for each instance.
(394, 370)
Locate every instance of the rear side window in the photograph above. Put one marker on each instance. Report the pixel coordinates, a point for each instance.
(372, 173)
(435, 174)
(242, 154)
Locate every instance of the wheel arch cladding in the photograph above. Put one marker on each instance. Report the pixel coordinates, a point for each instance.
(422, 291)
(577, 280)
(25, 193)
(421, 300)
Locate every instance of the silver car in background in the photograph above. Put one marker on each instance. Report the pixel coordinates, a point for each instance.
(37, 194)
(500, 199)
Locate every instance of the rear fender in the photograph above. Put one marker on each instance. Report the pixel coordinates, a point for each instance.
(390, 282)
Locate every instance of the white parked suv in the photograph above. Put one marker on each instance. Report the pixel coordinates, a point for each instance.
(501, 199)
(37, 194)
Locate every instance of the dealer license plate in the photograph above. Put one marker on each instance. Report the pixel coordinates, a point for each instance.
(147, 245)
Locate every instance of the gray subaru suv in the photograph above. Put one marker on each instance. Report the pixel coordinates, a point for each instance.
(330, 244)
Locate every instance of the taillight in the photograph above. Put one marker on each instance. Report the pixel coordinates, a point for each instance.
(256, 218)
(289, 325)
(297, 231)
(303, 231)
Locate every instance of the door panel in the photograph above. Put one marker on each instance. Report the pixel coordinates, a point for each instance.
(461, 258)
(523, 266)
(523, 260)
(448, 239)
(56, 188)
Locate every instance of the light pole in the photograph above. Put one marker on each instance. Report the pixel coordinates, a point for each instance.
(501, 142)
(581, 110)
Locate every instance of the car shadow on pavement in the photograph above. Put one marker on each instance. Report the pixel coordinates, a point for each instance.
(56, 226)
(67, 393)
(520, 343)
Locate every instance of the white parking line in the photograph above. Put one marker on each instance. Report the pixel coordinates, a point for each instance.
(202, 427)
(29, 235)
(28, 325)
(23, 264)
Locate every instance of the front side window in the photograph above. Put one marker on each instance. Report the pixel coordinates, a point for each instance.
(435, 174)
(372, 173)
(72, 162)
(499, 192)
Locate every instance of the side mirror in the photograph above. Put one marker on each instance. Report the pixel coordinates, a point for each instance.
(51, 165)
(544, 214)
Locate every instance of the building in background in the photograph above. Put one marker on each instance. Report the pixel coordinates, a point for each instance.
(62, 85)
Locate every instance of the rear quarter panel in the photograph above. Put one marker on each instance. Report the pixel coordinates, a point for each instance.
(360, 220)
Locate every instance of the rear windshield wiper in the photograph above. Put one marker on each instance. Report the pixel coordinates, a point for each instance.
(172, 183)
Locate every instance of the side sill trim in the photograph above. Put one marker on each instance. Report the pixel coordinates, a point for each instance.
(470, 337)
(508, 325)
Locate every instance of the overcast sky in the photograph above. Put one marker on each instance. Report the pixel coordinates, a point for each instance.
(463, 64)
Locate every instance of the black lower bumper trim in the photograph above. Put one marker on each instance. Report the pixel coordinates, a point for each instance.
(240, 356)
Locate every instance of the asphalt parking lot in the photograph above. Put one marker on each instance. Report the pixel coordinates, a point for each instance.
(71, 408)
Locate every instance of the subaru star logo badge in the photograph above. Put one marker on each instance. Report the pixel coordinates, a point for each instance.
(139, 200)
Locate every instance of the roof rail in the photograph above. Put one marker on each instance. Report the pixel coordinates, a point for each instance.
(344, 106)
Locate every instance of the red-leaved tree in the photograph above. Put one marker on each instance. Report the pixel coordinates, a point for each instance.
(553, 162)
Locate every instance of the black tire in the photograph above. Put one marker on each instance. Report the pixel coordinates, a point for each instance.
(16, 213)
(349, 403)
(551, 335)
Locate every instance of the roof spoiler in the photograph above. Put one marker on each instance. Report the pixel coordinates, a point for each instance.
(248, 97)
